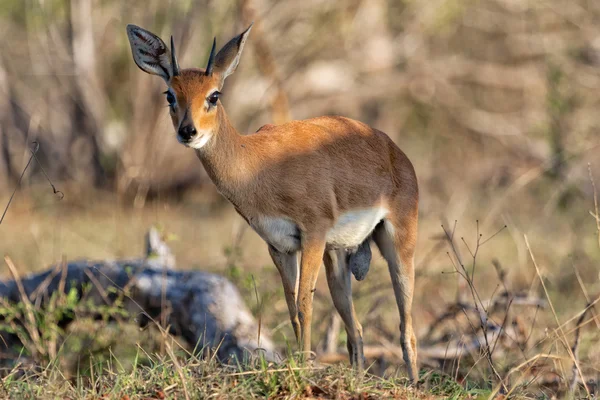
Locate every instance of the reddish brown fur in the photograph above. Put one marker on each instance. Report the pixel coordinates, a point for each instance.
(339, 163)
(308, 173)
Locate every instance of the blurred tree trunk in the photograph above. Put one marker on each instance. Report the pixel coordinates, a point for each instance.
(5, 172)
(87, 102)
(266, 63)
(14, 127)
(5, 168)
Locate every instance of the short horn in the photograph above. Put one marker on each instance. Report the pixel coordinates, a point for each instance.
(174, 62)
(211, 59)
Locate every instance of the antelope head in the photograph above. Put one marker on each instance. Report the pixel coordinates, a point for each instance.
(192, 94)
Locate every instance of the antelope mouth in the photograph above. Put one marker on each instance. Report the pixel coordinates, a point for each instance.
(185, 142)
(196, 142)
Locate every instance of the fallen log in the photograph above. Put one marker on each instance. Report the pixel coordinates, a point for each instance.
(204, 309)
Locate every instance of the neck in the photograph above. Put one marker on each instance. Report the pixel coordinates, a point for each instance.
(222, 157)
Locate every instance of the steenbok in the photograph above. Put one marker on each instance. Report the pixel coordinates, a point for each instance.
(319, 187)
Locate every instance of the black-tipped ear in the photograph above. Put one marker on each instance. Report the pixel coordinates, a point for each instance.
(174, 62)
(228, 58)
(211, 59)
(150, 53)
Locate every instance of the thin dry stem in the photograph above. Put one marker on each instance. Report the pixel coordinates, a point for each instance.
(311, 368)
(529, 363)
(460, 292)
(31, 324)
(98, 286)
(562, 334)
(573, 318)
(586, 295)
(176, 363)
(476, 299)
(597, 215)
(575, 351)
(259, 304)
(163, 305)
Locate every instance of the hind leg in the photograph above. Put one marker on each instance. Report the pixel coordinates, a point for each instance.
(340, 286)
(396, 241)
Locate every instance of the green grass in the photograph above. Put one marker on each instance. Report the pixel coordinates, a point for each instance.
(96, 358)
(164, 377)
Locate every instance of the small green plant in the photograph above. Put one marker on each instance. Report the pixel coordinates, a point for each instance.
(440, 384)
(37, 329)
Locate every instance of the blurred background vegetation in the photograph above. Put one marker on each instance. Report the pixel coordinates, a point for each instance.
(495, 102)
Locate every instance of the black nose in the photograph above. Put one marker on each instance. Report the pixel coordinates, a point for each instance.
(186, 132)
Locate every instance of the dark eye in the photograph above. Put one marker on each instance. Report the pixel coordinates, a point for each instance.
(171, 99)
(213, 98)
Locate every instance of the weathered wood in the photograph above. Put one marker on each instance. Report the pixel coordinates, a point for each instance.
(205, 309)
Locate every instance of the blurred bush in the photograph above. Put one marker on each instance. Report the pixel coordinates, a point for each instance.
(476, 92)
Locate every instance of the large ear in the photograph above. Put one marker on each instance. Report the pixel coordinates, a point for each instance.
(228, 58)
(151, 54)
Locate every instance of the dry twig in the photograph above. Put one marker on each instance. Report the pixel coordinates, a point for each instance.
(562, 334)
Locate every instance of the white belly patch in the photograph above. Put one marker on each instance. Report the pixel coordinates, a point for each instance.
(280, 233)
(350, 230)
(353, 227)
